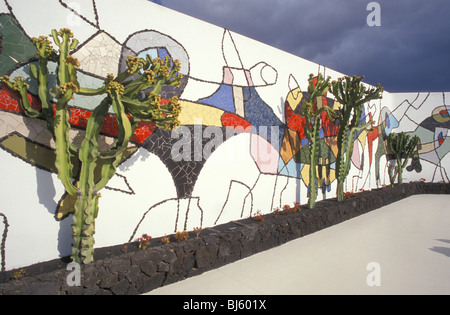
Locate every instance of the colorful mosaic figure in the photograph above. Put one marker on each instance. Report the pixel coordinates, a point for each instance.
(234, 105)
(295, 157)
(434, 144)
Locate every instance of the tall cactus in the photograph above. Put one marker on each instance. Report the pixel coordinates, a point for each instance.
(122, 95)
(317, 87)
(351, 95)
(402, 146)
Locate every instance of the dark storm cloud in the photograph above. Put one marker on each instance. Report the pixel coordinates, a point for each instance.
(409, 52)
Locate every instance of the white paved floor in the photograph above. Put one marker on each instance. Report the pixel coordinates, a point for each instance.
(408, 242)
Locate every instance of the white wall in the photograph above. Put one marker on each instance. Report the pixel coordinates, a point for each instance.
(235, 181)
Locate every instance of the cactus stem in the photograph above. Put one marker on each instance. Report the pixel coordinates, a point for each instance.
(129, 110)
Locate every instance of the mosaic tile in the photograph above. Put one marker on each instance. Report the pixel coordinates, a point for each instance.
(264, 154)
(259, 114)
(33, 153)
(291, 169)
(222, 99)
(87, 102)
(295, 122)
(184, 168)
(197, 89)
(157, 45)
(100, 55)
(234, 121)
(160, 144)
(60, 16)
(15, 45)
(146, 40)
(290, 146)
(238, 98)
(78, 117)
(356, 157)
(193, 113)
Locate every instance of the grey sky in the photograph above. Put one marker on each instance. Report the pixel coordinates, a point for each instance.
(409, 52)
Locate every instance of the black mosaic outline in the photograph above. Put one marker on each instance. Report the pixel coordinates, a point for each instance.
(225, 31)
(9, 7)
(125, 179)
(97, 19)
(81, 16)
(410, 104)
(261, 71)
(274, 190)
(228, 197)
(285, 187)
(3, 242)
(133, 234)
(124, 45)
(439, 166)
(1, 43)
(250, 193)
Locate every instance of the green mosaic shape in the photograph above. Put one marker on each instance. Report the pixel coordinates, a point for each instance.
(16, 46)
(325, 152)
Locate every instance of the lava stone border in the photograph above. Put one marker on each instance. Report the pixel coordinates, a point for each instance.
(133, 271)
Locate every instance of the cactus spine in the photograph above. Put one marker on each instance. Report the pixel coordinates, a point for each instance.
(122, 95)
(402, 146)
(317, 87)
(351, 95)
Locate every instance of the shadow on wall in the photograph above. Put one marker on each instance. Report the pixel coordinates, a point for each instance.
(442, 250)
(46, 193)
(43, 157)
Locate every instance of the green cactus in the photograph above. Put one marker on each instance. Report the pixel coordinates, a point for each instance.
(401, 146)
(317, 87)
(351, 95)
(122, 96)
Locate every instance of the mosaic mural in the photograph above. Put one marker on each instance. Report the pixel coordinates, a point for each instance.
(241, 147)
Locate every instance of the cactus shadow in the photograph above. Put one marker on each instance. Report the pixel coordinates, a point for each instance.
(47, 195)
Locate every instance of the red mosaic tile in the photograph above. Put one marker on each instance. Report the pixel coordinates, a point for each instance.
(9, 101)
(295, 122)
(234, 121)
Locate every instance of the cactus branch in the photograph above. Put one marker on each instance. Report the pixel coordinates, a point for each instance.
(317, 87)
(121, 93)
(402, 147)
(351, 95)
